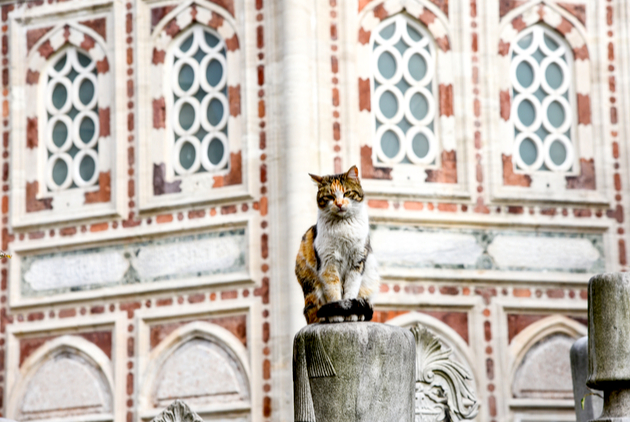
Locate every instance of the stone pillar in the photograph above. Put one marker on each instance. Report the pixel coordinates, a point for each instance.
(354, 371)
(579, 373)
(609, 343)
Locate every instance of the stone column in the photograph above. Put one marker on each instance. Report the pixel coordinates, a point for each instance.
(609, 343)
(588, 404)
(354, 371)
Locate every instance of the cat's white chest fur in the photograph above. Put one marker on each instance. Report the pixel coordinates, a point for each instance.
(342, 242)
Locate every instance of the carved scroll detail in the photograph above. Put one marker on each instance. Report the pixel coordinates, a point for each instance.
(178, 411)
(443, 391)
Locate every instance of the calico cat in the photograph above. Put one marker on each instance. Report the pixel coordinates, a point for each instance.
(334, 265)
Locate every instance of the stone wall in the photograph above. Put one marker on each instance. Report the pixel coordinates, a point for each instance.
(115, 282)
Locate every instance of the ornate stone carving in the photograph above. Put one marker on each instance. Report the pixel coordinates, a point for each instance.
(443, 391)
(178, 411)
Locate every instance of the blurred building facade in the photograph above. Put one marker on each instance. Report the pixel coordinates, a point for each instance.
(155, 190)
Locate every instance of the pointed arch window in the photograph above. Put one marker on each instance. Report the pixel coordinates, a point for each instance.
(200, 104)
(72, 121)
(542, 102)
(404, 93)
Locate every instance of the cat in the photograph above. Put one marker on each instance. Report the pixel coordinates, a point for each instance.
(334, 265)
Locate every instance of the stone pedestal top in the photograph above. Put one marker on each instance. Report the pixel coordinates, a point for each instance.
(354, 371)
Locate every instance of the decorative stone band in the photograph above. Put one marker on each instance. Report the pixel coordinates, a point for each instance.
(173, 22)
(436, 22)
(42, 44)
(573, 32)
(178, 411)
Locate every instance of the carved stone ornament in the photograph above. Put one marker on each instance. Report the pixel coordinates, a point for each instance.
(178, 411)
(443, 391)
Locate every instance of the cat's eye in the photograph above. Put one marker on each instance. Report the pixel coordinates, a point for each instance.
(348, 193)
(328, 198)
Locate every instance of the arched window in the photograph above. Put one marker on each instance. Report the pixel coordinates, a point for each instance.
(542, 101)
(200, 106)
(72, 116)
(403, 93)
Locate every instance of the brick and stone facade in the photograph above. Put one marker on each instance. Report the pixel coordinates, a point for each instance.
(110, 287)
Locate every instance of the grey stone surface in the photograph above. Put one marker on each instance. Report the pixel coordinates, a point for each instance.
(354, 371)
(444, 386)
(579, 372)
(609, 343)
(178, 411)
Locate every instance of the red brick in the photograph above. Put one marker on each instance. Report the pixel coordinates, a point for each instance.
(584, 109)
(490, 368)
(234, 95)
(67, 313)
(616, 213)
(521, 292)
(517, 323)
(266, 406)
(264, 246)
(413, 206)
(130, 347)
(196, 298)
(445, 207)
(448, 172)
(36, 235)
(234, 177)
(513, 179)
(492, 406)
(582, 212)
(586, 179)
(555, 293)
(504, 48)
(368, 171)
(158, 57)
(364, 36)
(164, 218)
(260, 37)
(265, 333)
(263, 173)
(487, 331)
(266, 369)
(236, 324)
(129, 384)
(130, 307)
(230, 294)
(427, 17)
(99, 227)
(504, 99)
(103, 194)
(449, 290)
(164, 302)
(446, 100)
(378, 203)
(364, 95)
(99, 309)
(196, 214)
(34, 35)
(232, 43)
(228, 209)
(263, 290)
(68, 231)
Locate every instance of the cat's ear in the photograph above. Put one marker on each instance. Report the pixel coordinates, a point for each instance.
(353, 173)
(316, 179)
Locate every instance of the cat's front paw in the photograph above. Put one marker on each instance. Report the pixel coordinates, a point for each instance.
(352, 318)
(335, 318)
